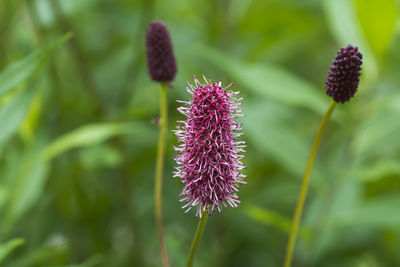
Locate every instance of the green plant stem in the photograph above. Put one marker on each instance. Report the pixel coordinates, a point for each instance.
(196, 239)
(304, 186)
(159, 172)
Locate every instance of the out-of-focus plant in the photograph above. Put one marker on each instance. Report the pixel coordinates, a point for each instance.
(90, 202)
(162, 68)
(341, 84)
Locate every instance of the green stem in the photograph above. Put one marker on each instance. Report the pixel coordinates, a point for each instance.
(159, 172)
(304, 186)
(196, 239)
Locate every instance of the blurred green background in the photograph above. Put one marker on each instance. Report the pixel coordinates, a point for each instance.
(77, 146)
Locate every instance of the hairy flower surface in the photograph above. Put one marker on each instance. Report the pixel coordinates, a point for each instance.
(160, 56)
(344, 75)
(209, 163)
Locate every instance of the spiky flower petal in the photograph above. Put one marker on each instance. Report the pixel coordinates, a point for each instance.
(160, 56)
(209, 160)
(343, 78)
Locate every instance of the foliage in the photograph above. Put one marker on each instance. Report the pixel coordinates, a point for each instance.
(77, 146)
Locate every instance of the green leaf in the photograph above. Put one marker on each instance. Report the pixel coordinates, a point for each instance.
(3, 195)
(274, 136)
(32, 174)
(272, 218)
(18, 72)
(100, 156)
(346, 29)
(378, 170)
(13, 112)
(381, 212)
(70, 8)
(91, 262)
(29, 125)
(38, 257)
(90, 135)
(378, 21)
(267, 126)
(27, 188)
(380, 131)
(8, 247)
(271, 81)
(268, 217)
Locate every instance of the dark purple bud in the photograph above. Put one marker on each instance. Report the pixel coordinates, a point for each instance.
(160, 57)
(344, 75)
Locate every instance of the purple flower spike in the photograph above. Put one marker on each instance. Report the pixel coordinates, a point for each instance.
(160, 56)
(209, 163)
(344, 75)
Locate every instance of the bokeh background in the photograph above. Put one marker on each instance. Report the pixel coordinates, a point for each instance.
(77, 146)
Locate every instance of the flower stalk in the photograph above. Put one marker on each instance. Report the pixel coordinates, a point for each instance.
(159, 172)
(162, 68)
(341, 84)
(196, 239)
(304, 186)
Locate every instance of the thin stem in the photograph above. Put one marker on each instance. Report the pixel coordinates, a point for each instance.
(304, 186)
(159, 172)
(196, 239)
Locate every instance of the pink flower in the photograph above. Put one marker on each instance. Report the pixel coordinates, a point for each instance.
(209, 162)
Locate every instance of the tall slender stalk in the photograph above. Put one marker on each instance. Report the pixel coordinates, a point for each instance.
(304, 186)
(159, 172)
(196, 239)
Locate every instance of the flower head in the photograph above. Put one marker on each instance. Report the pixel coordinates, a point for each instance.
(344, 75)
(160, 56)
(209, 163)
